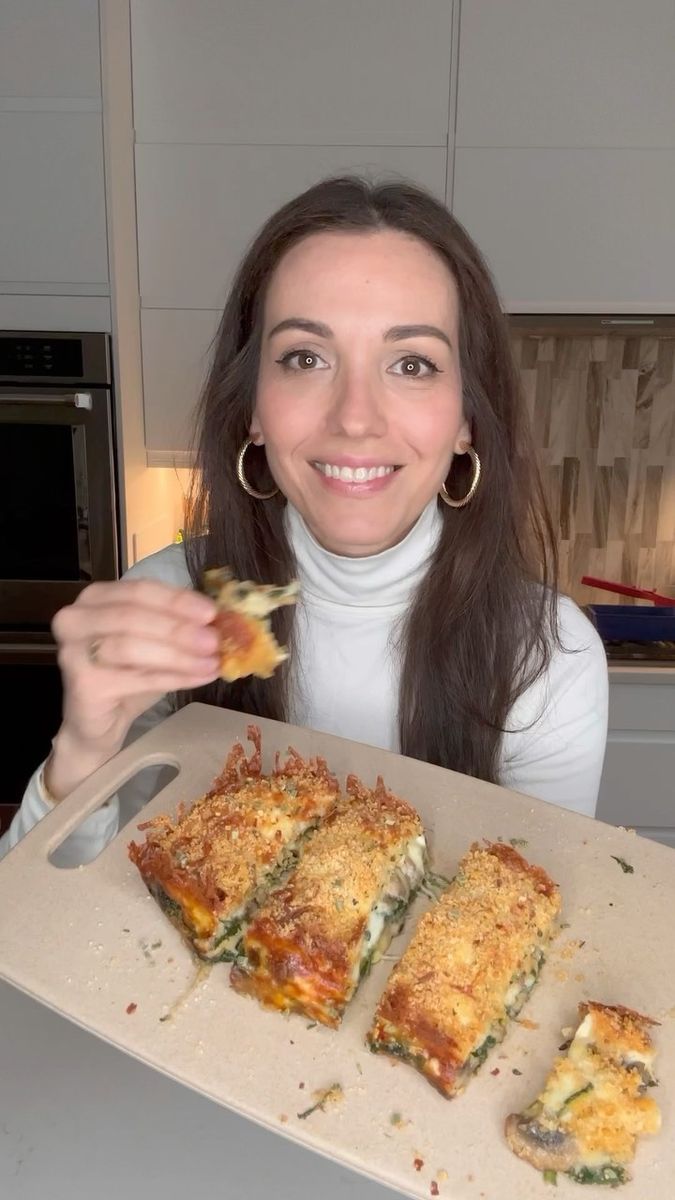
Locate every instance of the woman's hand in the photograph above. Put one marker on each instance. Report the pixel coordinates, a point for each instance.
(121, 646)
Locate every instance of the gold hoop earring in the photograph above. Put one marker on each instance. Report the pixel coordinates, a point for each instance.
(244, 481)
(474, 483)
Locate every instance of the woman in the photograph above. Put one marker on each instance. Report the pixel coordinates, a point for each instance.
(363, 430)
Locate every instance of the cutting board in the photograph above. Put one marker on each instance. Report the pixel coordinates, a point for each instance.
(90, 943)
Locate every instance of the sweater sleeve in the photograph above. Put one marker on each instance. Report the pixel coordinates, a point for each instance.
(554, 744)
(86, 843)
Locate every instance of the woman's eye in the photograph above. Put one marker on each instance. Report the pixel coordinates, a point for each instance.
(301, 360)
(415, 366)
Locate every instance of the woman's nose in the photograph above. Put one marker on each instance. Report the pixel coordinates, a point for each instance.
(357, 410)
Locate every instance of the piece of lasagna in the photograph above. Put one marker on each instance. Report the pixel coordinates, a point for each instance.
(595, 1104)
(247, 643)
(210, 866)
(471, 965)
(309, 945)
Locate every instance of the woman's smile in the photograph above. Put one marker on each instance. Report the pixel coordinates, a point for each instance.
(353, 477)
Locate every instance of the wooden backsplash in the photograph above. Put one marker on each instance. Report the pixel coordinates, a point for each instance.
(603, 410)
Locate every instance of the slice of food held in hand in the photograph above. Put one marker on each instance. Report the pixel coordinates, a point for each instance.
(313, 940)
(595, 1102)
(471, 965)
(210, 866)
(247, 644)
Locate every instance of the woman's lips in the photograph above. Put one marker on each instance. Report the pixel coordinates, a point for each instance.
(355, 480)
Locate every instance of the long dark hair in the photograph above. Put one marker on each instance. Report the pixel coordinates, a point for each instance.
(481, 627)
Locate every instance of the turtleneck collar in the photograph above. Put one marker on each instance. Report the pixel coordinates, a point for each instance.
(381, 580)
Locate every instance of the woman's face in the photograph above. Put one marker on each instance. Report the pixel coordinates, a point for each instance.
(359, 397)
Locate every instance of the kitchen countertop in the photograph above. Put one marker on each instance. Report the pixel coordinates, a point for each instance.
(80, 1118)
(641, 672)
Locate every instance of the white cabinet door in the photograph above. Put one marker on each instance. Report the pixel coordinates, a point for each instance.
(576, 230)
(564, 166)
(50, 49)
(238, 108)
(638, 780)
(199, 206)
(541, 73)
(52, 198)
(357, 72)
(176, 347)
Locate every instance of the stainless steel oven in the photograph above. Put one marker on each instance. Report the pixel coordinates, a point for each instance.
(58, 516)
(59, 526)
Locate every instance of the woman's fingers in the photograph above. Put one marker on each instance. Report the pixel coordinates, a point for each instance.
(115, 685)
(114, 620)
(181, 603)
(121, 646)
(141, 654)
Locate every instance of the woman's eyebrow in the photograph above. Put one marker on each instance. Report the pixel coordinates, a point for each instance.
(399, 333)
(304, 324)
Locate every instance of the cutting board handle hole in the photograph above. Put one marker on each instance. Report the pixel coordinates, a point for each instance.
(83, 844)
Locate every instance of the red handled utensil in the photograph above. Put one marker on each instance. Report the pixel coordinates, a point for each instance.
(625, 589)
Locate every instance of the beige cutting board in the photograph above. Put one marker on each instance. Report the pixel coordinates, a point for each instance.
(90, 942)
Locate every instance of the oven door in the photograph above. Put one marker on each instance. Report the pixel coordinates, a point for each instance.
(58, 524)
(31, 686)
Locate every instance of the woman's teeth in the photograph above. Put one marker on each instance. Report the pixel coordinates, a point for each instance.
(353, 474)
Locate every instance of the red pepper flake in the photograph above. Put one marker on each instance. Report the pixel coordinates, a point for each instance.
(131, 1008)
(495, 1071)
(418, 1163)
(434, 1188)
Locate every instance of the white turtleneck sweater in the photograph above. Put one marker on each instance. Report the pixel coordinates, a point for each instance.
(345, 673)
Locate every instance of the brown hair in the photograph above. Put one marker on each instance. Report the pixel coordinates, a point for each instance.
(480, 628)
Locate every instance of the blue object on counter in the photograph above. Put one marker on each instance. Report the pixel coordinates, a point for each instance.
(634, 622)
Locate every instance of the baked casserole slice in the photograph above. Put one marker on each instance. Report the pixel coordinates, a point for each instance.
(210, 866)
(312, 941)
(595, 1102)
(471, 965)
(247, 644)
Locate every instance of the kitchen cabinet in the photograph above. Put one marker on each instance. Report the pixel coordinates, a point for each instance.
(236, 110)
(196, 214)
(53, 199)
(573, 230)
(53, 252)
(638, 781)
(565, 151)
(536, 73)
(301, 72)
(50, 51)
(199, 207)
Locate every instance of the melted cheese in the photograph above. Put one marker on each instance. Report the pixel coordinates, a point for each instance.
(595, 1096)
(412, 866)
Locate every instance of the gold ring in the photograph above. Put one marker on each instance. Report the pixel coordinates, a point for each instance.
(93, 651)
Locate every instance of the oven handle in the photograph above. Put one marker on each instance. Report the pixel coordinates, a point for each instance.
(69, 399)
(27, 654)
